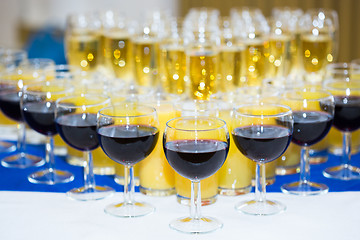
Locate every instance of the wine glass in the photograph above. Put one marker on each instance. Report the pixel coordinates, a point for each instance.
(196, 147)
(128, 133)
(313, 112)
(262, 132)
(38, 110)
(75, 119)
(347, 120)
(11, 85)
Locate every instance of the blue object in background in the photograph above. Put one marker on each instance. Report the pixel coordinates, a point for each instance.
(47, 43)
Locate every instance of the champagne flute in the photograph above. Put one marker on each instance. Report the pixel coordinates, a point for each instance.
(196, 147)
(262, 132)
(76, 123)
(347, 120)
(38, 110)
(313, 112)
(128, 133)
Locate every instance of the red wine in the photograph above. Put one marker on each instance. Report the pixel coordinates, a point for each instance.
(78, 130)
(310, 127)
(40, 116)
(10, 105)
(128, 144)
(196, 159)
(347, 113)
(262, 143)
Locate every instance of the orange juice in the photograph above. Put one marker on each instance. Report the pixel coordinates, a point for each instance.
(289, 162)
(209, 189)
(155, 174)
(336, 141)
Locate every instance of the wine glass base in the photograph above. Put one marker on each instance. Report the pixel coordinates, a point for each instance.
(88, 194)
(126, 210)
(7, 147)
(22, 161)
(304, 189)
(260, 208)
(195, 226)
(342, 172)
(50, 177)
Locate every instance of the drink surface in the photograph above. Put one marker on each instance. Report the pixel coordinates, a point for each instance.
(78, 130)
(310, 127)
(196, 159)
(262, 143)
(128, 144)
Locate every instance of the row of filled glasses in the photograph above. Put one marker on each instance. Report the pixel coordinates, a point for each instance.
(196, 147)
(205, 52)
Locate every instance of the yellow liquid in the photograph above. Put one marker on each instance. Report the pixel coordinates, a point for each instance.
(83, 51)
(203, 74)
(295, 52)
(236, 173)
(288, 163)
(232, 68)
(336, 141)
(277, 56)
(316, 53)
(209, 189)
(173, 69)
(118, 54)
(255, 62)
(147, 58)
(155, 174)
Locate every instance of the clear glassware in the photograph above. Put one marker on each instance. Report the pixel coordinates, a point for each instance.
(346, 119)
(313, 112)
(76, 121)
(262, 132)
(205, 139)
(319, 42)
(38, 110)
(123, 129)
(12, 83)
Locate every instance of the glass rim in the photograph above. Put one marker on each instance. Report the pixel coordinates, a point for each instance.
(307, 89)
(100, 112)
(60, 103)
(195, 118)
(68, 87)
(281, 114)
(327, 82)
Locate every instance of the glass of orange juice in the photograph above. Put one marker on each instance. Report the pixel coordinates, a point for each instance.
(155, 174)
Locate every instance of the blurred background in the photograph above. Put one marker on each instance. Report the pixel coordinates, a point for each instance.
(40, 23)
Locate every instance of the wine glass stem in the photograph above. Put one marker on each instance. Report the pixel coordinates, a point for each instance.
(21, 131)
(304, 165)
(89, 178)
(129, 185)
(346, 157)
(49, 153)
(260, 184)
(195, 204)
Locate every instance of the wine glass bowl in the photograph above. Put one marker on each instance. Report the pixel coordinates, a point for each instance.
(128, 133)
(196, 147)
(262, 132)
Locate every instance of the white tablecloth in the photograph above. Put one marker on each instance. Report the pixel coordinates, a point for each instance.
(34, 215)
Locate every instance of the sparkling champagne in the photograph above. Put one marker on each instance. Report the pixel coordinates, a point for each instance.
(232, 68)
(295, 52)
(316, 52)
(118, 54)
(278, 56)
(83, 50)
(147, 58)
(255, 61)
(203, 74)
(173, 69)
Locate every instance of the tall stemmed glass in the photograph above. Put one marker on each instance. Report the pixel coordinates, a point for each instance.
(347, 120)
(262, 132)
(38, 110)
(196, 147)
(10, 94)
(128, 133)
(313, 112)
(76, 123)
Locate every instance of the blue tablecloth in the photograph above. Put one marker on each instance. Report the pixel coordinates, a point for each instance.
(16, 179)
